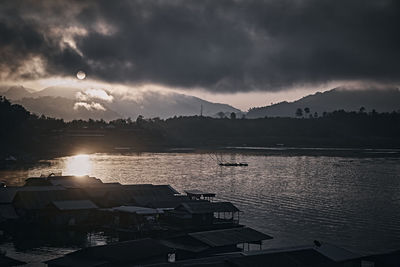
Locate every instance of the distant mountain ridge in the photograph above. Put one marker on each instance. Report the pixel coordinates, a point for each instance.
(76, 103)
(17, 92)
(380, 100)
(64, 108)
(64, 102)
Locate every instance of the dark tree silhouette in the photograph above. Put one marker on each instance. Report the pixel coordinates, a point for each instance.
(221, 115)
(25, 135)
(233, 115)
(299, 112)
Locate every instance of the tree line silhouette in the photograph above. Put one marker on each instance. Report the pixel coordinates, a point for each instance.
(28, 136)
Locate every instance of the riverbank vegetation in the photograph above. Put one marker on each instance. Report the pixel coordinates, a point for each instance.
(26, 135)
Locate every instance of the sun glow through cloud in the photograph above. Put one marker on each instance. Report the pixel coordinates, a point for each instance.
(78, 165)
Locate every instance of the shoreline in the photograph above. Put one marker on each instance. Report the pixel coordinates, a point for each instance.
(264, 151)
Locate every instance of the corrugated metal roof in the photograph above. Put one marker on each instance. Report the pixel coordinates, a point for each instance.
(74, 204)
(199, 207)
(232, 236)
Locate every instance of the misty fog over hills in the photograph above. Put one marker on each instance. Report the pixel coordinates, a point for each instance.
(61, 107)
(75, 103)
(381, 100)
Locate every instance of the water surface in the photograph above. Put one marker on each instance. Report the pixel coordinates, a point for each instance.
(351, 202)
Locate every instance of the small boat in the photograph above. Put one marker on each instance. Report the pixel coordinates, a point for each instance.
(228, 164)
(233, 164)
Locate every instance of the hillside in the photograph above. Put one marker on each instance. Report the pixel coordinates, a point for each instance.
(149, 104)
(380, 100)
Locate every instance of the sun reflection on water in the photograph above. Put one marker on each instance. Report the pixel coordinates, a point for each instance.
(78, 165)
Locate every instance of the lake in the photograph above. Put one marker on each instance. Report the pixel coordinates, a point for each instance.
(351, 202)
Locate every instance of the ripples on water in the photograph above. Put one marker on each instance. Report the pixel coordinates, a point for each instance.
(351, 202)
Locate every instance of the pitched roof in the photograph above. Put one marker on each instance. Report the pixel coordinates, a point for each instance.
(7, 194)
(68, 261)
(300, 258)
(7, 211)
(155, 196)
(220, 260)
(40, 199)
(74, 205)
(137, 210)
(335, 253)
(122, 252)
(159, 201)
(146, 189)
(304, 253)
(66, 181)
(304, 256)
(232, 236)
(199, 207)
(185, 242)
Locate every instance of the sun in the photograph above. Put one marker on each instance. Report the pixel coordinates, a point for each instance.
(78, 165)
(81, 75)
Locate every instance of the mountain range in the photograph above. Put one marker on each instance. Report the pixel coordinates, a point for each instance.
(349, 99)
(75, 103)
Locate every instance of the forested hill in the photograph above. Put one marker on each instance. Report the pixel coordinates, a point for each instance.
(380, 100)
(25, 135)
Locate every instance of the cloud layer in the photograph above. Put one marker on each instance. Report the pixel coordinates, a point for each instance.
(221, 46)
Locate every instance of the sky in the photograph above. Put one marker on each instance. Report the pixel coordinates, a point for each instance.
(245, 53)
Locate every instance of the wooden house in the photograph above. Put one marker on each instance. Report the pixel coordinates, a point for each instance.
(204, 213)
(70, 213)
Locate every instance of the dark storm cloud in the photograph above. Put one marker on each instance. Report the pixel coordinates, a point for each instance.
(218, 45)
